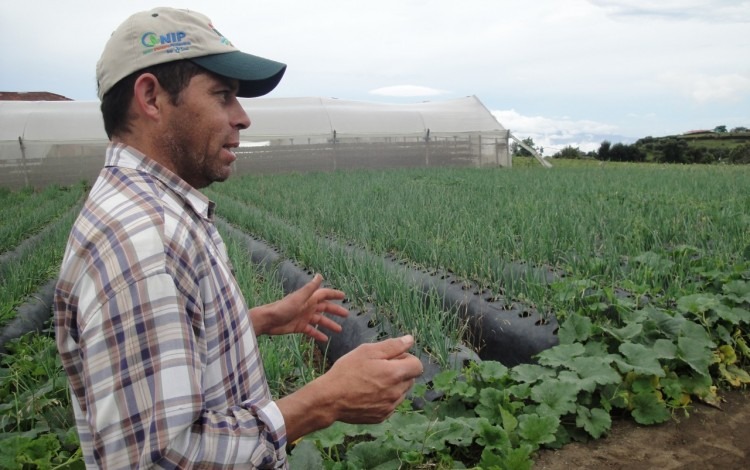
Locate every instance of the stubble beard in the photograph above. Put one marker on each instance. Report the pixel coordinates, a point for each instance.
(190, 159)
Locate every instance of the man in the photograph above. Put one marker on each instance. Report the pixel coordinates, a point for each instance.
(153, 332)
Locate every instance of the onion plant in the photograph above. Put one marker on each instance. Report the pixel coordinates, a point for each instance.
(366, 280)
(37, 263)
(30, 212)
(588, 221)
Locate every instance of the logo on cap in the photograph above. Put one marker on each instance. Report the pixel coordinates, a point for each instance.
(222, 38)
(170, 42)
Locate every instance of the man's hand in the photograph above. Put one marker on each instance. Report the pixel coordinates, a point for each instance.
(301, 312)
(364, 386)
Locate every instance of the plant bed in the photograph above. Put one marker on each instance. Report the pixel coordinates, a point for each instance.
(362, 325)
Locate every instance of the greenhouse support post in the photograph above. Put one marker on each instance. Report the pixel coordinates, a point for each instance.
(23, 161)
(427, 149)
(335, 150)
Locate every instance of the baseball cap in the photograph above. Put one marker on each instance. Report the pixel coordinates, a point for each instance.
(165, 34)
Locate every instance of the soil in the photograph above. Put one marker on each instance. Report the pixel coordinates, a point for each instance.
(707, 438)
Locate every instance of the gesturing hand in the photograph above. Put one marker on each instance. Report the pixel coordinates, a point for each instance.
(301, 312)
(363, 386)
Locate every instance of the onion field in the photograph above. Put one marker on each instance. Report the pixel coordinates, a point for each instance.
(544, 302)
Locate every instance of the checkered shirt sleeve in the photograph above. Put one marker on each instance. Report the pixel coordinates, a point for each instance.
(154, 333)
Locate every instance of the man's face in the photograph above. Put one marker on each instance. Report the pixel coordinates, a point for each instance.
(202, 129)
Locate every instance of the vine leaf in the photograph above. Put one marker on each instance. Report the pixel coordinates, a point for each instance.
(560, 355)
(575, 328)
(492, 437)
(648, 408)
(639, 359)
(537, 429)
(664, 349)
(737, 291)
(559, 396)
(594, 370)
(626, 333)
(305, 455)
(531, 373)
(595, 421)
(698, 357)
(372, 454)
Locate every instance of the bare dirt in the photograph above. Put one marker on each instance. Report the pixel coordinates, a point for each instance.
(708, 438)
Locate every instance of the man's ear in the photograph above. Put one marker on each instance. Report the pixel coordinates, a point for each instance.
(148, 96)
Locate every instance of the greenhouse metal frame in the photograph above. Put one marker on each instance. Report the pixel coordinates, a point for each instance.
(63, 142)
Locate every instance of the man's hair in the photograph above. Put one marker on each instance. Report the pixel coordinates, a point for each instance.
(173, 77)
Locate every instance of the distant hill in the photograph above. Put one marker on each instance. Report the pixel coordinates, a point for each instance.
(690, 147)
(697, 147)
(31, 96)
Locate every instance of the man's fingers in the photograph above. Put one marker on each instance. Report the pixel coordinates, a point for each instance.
(392, 348)
(333, 309)
(310, 288)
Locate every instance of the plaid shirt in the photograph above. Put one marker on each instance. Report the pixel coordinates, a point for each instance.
(154, 333)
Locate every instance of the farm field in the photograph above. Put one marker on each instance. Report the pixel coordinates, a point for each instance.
(645, 270)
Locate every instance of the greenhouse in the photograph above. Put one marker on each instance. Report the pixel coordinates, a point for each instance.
(63, 142)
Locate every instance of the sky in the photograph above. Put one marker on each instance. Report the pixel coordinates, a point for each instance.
(562, 72)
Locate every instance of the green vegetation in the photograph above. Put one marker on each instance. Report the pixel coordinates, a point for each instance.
(717, 146)
(33, 234)
(589, 221)
(36, 416)
(653, 299)
(31, 211)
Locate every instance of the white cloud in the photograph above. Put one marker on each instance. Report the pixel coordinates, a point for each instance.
(697, 10)
(702, 88)
(553, 134)
(407, 90)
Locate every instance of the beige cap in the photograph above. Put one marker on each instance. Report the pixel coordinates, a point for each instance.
(167, 34)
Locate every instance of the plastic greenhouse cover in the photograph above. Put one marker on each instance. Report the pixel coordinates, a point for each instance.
(80, 121)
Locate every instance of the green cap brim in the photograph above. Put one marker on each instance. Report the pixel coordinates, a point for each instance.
(257, 75)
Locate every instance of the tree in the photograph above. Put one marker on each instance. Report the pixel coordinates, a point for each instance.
(603, 153)
(569, 152)
(517, 151)
(626, 153)
(720, 129)
(673, 151)
(740, 154)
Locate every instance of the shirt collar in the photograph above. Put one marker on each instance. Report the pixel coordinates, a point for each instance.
(124, 156)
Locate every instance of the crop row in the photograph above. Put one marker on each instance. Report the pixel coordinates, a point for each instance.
(654, 309)
(589, 221)
(35, 245)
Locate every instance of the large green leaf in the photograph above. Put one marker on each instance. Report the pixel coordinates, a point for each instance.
(492, 371)
(698, 304)
(305, 455)
(595, 421)
(639, 359)
(593, 371)
(491, 404)
(575, 328)
(558, 395)
(664, 349)
(697, 356)
(537, 430)
(626, 333)
(737, 291)
(648, 409)
(373, 455)
(560, 355)
(491, 436)
(531, 373)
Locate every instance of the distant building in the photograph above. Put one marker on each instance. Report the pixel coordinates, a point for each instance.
(31, 96)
